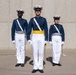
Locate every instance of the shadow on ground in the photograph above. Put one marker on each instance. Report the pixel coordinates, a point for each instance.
(31, 62)
(49, 59)
(27, 59)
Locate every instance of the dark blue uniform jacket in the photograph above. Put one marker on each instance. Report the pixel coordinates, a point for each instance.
(15, 27)
(42, 23)
(53, 30)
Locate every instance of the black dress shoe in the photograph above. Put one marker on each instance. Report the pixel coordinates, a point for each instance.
(17, 65)
(22, 65)
(34, 71)
(41, 71)
(53, 64)
(59, 64)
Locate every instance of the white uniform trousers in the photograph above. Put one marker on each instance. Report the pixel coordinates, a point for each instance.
(20, 46)
(56, 46)
(38, 50)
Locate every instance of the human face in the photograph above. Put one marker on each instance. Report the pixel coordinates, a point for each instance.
(56, 21)
(37, 13)
(20, 15)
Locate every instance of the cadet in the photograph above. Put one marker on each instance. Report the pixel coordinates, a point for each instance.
(39, 38)
(18, 31)
(56, 38)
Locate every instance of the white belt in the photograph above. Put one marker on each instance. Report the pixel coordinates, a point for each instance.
(20, 32)
(56, 34)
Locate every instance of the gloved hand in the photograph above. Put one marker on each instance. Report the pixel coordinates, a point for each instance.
(45, 42)
(30, 42)
(13, 41)
(62, 43)
(50, 42)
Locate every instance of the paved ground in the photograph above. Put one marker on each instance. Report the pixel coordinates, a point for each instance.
(8, 61)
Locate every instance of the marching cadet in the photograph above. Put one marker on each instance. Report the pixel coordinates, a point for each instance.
(18, 31)
(56, 38)
(39, 37)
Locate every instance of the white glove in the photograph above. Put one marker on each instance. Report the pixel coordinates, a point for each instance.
(30, 42)
(50, 42)
(13, 41)
(62, 43)
(45, 42)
